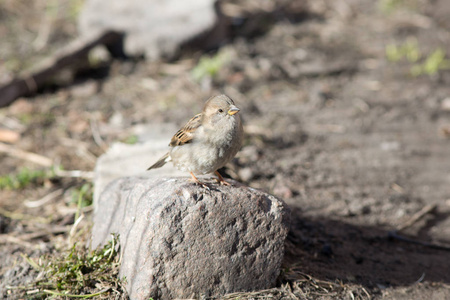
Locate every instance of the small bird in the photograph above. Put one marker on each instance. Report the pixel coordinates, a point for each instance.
(208, 141)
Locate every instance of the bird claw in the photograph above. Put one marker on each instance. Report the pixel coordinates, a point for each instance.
(196, 181)
(221, 180)
(203, 185)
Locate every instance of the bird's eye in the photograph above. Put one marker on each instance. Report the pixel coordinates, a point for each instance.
(220, 110)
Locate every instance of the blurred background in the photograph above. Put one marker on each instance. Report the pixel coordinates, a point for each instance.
(346, 107)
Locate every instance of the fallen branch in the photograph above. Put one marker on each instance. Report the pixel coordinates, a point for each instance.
(417, 216)
(394, 235)
(68, 57)
(56, 293)
(19, 216)
(45, 232)
(74, 174)
(18, 153)
(5, 239)
(47, 198)
(25, 238)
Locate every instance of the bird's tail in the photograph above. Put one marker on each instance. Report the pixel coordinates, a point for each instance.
(161, 162)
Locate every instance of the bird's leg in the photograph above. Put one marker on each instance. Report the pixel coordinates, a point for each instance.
(195, 179)
(221, 180)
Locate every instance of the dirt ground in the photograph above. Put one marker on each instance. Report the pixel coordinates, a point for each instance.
(347, 113)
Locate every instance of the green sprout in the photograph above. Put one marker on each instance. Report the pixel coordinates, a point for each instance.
(83, 197)
(24, 178)
(390, 6)
(435, 62)
(209, 66)
(409, 50)
(428, 65)
(132, 139)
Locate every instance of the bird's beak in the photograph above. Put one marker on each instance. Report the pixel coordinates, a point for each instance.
(233, 110)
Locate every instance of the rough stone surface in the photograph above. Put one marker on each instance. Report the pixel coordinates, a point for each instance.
(178, 239)
(152, 27)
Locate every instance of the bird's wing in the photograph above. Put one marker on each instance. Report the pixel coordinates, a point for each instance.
(161, 162)
(185, 134)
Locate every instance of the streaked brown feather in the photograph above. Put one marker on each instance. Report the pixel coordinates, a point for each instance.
(184, 135)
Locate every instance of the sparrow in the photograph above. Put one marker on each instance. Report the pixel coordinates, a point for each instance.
(208, 141)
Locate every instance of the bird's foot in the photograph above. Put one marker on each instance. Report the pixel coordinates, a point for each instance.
(221, 180)
(196, 181)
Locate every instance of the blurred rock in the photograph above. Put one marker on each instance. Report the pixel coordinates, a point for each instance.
(359, 208)
(127, 160)
(282, 190)
(84, 90)
(445, 105)
(155, 28)
(445, 131)
(21, 106)
(390, 146)
(9, 136)
(248, 154)
(245, 174)
(180, 240)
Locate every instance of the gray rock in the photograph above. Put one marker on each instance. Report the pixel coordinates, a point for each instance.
(179, 240)
(123, 160)
(153, 27)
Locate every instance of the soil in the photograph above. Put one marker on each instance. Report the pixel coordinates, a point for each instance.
(354, 143)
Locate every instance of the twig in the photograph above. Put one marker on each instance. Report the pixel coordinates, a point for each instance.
(18, 287)
(287, 288)
(53, 230)
(96, 134)
(315, 280)
(33, 157)
(74, 227)
(298, 289)
(396, 236)
(81, 149)
(24, 238)
(47, 198)
(6, 238)
(19, 216)
(35, 291)
(251, 294)
(77, 296)
(367, 293)
(417, 216)
(31, 262)
(176, 69)
(396, 187)
(351, 295)
(74, 174)
(421, 278)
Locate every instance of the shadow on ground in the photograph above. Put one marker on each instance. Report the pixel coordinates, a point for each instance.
(336, 251)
